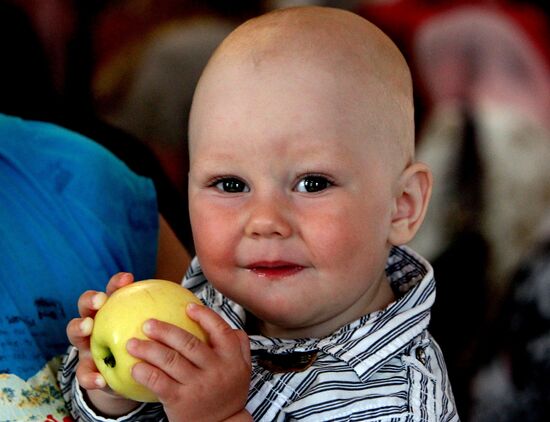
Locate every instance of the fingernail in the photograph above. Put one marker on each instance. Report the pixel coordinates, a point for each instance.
(126, 278)
(192, 306)
(86, 326)
(100, 381)
(147, 327)
(131, 344)
(98, 300)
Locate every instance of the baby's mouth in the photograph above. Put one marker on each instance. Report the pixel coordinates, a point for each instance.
(274, 270)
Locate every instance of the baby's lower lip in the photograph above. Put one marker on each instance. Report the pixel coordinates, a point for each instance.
(281, 271)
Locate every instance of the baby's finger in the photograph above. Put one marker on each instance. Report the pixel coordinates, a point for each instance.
(117, 281)
(223, 338)
(89, 302)
(155, 380)
(87, 374)
(162, 357)
(190, 347)
(79, 331)
(245, 347)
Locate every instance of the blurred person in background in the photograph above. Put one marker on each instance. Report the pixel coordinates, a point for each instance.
(481, 69)
(71, 215)
(513, 383)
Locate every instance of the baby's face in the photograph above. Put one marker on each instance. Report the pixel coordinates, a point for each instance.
(290, 200)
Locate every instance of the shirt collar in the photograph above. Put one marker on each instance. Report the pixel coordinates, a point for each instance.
(365, 344)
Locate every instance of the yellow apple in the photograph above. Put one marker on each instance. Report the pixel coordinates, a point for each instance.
(121, 318)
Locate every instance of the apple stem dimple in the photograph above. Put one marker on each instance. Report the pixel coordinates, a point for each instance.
(110, 360)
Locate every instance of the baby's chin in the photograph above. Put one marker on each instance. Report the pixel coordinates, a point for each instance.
(298, 326)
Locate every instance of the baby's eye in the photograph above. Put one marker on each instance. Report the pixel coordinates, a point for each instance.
(231, 185)
(313, 184)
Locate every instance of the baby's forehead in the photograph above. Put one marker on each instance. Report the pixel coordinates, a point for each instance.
(334, 47)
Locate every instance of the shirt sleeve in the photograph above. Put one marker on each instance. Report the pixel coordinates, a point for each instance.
(79, 408)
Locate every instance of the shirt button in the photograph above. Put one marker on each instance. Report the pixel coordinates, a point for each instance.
(421, 355)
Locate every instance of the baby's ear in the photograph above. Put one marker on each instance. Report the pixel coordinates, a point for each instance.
(411, 202)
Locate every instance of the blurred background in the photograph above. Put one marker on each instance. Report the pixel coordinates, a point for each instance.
(123, 72)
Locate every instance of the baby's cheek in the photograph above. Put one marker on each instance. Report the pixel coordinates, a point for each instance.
(332, 232)
(214, 240)
(344, 241)
(210, 247)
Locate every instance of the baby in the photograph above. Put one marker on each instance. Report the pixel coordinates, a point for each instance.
(302, 187)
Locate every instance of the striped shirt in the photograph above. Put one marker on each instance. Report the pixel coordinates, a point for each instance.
(384, 366)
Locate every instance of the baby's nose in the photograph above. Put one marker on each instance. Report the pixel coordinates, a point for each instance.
(268, 218)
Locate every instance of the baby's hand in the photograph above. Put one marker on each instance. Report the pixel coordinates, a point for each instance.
(78, 332)
(195, 381)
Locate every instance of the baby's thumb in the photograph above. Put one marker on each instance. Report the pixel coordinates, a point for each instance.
(245, 347)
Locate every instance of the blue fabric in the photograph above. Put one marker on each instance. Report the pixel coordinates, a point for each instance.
(71, 215)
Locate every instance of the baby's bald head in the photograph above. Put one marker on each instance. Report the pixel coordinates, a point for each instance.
(301, 141)
(364, 69)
